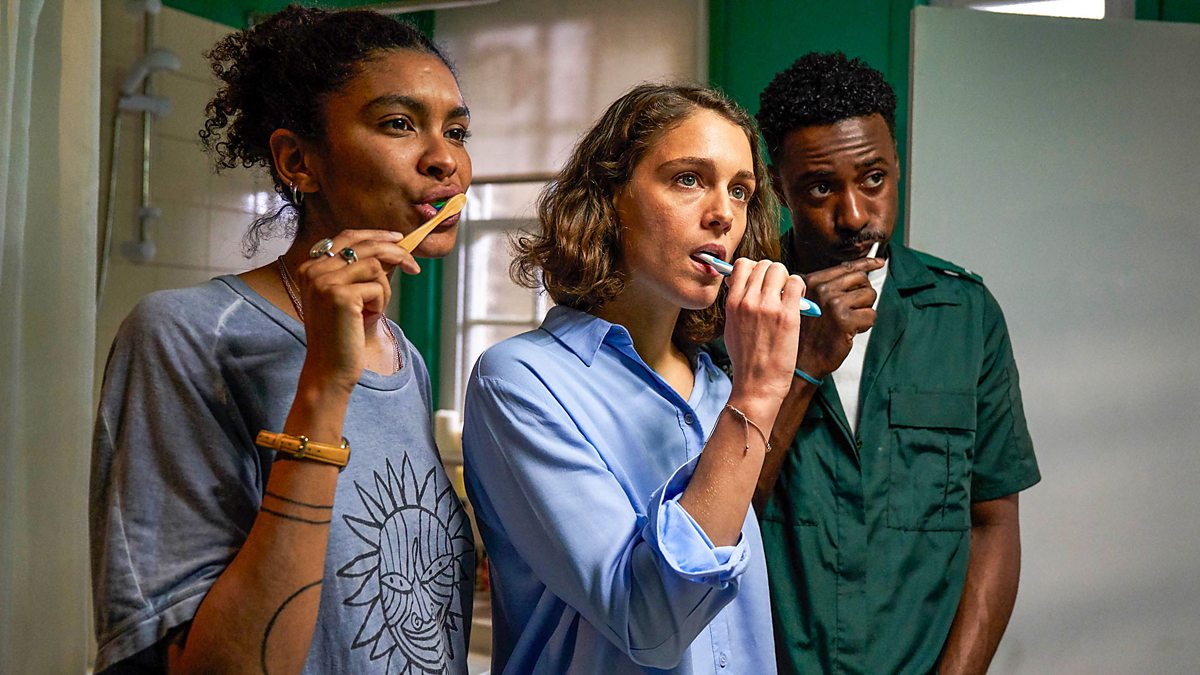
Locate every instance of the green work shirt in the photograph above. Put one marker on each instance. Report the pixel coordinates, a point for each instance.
(866, 535)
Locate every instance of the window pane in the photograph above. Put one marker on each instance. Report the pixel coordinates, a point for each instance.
(502, 201)
(491, 294)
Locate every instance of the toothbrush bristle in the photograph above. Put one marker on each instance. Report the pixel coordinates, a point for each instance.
(439, 204)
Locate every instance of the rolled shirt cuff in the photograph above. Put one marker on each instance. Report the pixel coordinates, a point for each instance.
(682, 543)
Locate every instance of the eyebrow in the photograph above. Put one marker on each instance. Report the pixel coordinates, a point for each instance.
(706, 163)
(416, 105)
(826, 173)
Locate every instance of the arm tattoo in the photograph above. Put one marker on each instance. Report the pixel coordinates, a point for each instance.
(298, 519)
(298, 503)
(274, 617)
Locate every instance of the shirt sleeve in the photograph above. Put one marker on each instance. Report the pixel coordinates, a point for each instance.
(650, 582)
(683, 544)
(1004, 458)
(174, 483)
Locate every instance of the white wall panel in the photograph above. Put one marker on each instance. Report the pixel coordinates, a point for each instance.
(1058, 158)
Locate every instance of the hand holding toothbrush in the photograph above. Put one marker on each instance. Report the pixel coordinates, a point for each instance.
(807, 307)
(762, 323)
(847, 299)
(345, 294)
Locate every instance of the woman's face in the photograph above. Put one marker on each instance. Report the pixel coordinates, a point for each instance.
(689, 194)
(394, 143)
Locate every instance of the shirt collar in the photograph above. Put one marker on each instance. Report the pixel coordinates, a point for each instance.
(582, 333)
(907, 272)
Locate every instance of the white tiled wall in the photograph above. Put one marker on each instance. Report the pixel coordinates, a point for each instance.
(204, 214)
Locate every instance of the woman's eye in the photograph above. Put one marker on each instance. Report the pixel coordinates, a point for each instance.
(740, 193)
(688, 180)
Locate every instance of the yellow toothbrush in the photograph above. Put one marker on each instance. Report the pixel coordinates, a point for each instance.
(452, 206)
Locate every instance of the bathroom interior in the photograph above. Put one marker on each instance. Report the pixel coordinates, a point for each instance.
(152, 214)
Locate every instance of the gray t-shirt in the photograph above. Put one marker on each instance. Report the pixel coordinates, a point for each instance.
(177, 481)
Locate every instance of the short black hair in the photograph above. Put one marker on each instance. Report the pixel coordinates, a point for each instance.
(819, 89)
(279, 74)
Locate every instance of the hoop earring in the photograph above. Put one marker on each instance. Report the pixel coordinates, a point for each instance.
(297, 195)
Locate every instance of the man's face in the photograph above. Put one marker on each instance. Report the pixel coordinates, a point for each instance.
(840, 182)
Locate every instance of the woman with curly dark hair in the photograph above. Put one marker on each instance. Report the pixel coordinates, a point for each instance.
(266, 495)
(610, 463)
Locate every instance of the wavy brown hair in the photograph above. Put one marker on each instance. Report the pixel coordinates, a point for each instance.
(576, 254)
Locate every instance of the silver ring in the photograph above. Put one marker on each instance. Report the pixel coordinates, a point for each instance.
(349, 255)
(321, 248)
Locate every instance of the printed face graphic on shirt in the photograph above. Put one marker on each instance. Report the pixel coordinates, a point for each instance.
(419, 545)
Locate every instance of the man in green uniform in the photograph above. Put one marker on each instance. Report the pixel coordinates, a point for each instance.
(889, 512)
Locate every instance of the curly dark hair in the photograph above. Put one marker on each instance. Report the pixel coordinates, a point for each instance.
(819, 89)
(279, 74)
(577, 252)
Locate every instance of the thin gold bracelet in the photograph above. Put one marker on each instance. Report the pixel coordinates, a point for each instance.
(747, 423)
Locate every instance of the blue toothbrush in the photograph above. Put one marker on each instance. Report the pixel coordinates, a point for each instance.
(807, 307)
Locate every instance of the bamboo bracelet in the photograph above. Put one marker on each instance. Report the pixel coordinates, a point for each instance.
(299, 447)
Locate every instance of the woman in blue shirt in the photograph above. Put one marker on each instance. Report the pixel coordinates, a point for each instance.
(611, 465)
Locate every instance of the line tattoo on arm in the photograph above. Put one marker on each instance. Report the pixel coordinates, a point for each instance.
(275, 617)
(298, 519)
(289, 500)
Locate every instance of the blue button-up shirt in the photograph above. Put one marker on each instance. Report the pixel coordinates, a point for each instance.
(576, 455)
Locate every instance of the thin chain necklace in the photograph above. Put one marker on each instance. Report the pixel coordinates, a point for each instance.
(293, 292)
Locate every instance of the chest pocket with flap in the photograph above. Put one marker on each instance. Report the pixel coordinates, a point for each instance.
(933, 440)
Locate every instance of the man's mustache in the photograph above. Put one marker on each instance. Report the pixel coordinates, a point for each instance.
(864, 236)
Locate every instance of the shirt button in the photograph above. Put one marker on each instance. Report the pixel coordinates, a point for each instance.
(858, 443)
(724, 660)
(689, 419)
